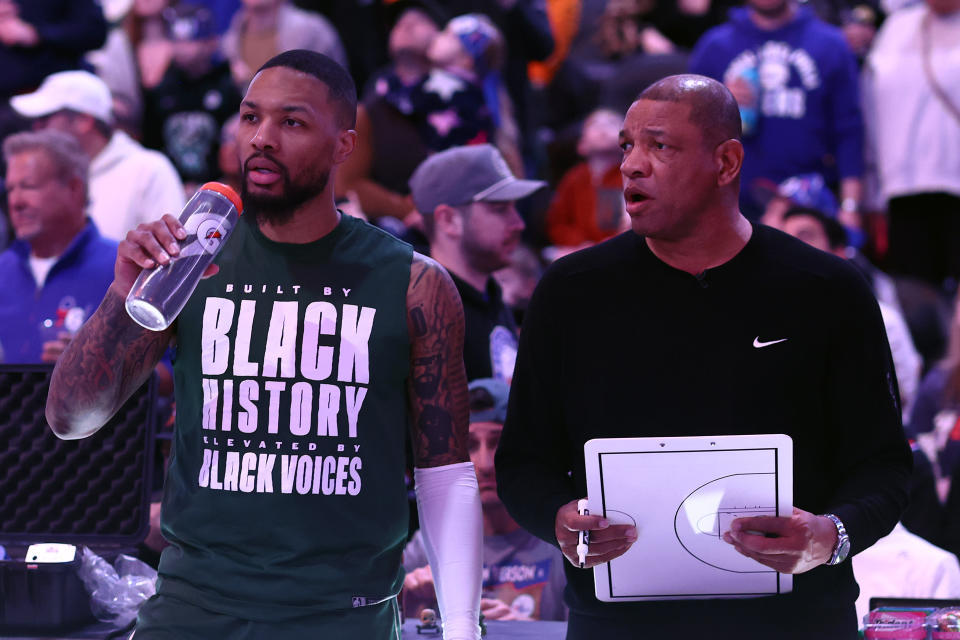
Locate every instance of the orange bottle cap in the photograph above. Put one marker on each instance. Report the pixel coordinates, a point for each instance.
(227, 191)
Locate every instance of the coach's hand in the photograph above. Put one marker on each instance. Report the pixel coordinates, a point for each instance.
(607, 541)
(147, 246)
(789, 545)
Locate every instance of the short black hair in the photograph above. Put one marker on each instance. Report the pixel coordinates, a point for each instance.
(342, 91)
(713, 108)
(836, 234)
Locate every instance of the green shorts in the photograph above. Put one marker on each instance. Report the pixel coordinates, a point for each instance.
(166, 618)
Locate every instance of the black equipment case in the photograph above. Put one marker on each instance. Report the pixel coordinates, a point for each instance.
(93, 492)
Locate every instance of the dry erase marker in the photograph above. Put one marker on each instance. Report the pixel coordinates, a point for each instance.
(584, 541)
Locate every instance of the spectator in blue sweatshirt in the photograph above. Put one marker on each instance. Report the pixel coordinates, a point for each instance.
(795, 79)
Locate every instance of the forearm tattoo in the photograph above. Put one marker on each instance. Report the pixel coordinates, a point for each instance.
(108, 359)
(438, 380)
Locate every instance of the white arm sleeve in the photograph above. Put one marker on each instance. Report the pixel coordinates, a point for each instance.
(452, 526)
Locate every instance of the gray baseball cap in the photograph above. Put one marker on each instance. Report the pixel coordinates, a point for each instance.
(492, 406)
(460, 175)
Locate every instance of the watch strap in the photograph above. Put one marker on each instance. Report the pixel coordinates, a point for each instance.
(842, 548)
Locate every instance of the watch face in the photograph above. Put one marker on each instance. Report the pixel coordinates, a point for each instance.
(843, 551)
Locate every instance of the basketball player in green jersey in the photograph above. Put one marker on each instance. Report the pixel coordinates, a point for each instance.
(301, 358)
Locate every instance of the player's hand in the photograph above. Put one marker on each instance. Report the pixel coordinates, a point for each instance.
(789, 545)
(419, 584)
(53, 349)
(607, 541)
(147, 246)
(495, 609)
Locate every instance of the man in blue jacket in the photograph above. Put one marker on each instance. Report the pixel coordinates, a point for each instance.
(56, 272)
(795, 79)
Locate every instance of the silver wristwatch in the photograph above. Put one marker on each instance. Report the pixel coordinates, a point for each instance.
(842, 549)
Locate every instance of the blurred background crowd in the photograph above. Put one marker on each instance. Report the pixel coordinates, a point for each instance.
(113, 113)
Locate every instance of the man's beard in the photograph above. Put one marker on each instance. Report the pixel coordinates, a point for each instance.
(483, 259)
(277, 210)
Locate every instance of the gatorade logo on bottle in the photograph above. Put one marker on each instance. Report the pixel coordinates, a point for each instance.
(210, 231)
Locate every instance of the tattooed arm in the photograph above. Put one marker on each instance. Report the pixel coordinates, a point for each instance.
(111, 355)
(438, 379)
(446, 484)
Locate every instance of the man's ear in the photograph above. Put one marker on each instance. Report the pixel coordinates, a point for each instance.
(448, 221)
(728, 159)
(346, 143)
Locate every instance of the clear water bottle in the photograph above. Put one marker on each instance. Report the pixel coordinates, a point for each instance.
(159, 294)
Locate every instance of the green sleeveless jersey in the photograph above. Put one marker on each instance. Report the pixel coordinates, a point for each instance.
(285, 494)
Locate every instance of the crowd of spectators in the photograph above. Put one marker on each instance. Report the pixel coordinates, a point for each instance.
(115, 114)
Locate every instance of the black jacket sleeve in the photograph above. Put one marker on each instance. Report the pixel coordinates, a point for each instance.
(533, 459)
(869, 457)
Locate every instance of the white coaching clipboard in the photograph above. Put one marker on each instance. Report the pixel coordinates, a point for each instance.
(682, 493)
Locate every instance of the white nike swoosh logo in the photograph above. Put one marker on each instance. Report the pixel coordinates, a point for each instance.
(760, 345)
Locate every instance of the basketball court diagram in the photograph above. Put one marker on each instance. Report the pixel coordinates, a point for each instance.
(705, 515)
(682, 499)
